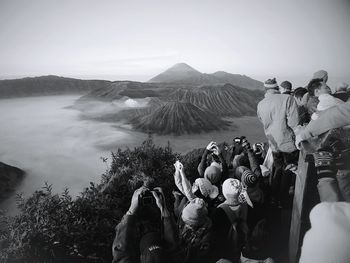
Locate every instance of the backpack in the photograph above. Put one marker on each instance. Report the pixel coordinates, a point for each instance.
(234, 238)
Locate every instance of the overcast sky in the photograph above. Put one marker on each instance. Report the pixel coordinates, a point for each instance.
(138, 39)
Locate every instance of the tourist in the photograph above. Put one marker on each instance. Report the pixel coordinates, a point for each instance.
(213, 165)
(195, 232)
(332, 118)
(320, 90)
(201, 188)
(279, 115)
(309, 100)
(285, 87)
(303, 113)
(229, 223)
(139, 238)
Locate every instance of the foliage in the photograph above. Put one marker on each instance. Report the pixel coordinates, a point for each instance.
(57, 228)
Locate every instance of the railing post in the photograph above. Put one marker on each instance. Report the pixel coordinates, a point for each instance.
(305, 198)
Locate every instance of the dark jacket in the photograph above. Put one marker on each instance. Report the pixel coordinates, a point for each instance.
(125, 248)
(221, 227)
(196, 243)
(343, 95)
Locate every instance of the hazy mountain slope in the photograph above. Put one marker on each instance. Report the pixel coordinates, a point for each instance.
(177, 73)
(225, 100)
(239, 80)
(119, 89)
(182, 73)
(47, 85)
(178, 118)
(10, 176)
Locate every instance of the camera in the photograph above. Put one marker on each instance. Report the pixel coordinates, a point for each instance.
(147, 198)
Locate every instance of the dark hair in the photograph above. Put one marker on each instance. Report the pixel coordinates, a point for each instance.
(299, 92)
(313, 85)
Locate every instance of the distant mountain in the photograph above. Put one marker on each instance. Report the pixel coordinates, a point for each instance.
(48, 85)
(119, 89)
(182, 73)
(10, 177)
(224, 100)
(178, 118)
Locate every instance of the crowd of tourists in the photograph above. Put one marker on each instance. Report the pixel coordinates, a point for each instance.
(224, 214)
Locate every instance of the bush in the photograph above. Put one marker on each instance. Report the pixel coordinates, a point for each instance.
(57, 228)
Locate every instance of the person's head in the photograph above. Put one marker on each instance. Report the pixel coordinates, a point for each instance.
(317, 87)
(195, 213)
(213, 173)
(248, 178)
(321, 74)
(299, 94)
(231, 189)
(203, 188)
(271, 85)
(285, 87)
(151, 250)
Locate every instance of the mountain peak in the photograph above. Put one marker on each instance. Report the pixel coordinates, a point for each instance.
(182, 67)
(177, 73)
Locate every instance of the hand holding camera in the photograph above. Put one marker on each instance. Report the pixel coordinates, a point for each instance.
(135, 200)
(210, 146)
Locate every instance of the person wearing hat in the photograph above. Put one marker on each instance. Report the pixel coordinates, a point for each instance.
(213, 165)
(157, 244)
(231, 214)
(309, 100)
(201, 188)
(279, 116)
(320, 90)
(195, 232)
(286, 87)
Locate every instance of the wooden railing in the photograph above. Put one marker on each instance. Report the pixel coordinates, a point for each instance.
(305, 198)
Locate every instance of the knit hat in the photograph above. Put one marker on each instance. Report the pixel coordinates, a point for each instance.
(324, 164)
(195, 212)
(248, 178)
(286, 85)
(270, 84)
(150, 248)
(206, 188)
(329, 233)
(231, 189)
(213, 174)
(321, 74)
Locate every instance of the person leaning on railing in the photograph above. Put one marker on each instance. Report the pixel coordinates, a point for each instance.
(333, 156)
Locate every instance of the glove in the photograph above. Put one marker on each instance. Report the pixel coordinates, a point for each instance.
(324, 164)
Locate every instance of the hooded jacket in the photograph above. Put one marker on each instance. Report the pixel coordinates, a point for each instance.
(279, 115)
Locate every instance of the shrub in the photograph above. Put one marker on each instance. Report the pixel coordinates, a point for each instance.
(57, 228)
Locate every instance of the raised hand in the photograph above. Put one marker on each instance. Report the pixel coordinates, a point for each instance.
(135, 199)
(216, 150)
(210, 146)
(178, 166)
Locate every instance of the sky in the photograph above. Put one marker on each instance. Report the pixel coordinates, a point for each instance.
(138, 39)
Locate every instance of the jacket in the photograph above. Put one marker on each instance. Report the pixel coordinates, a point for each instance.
(279, 115)
(125, 248)
(332, 118)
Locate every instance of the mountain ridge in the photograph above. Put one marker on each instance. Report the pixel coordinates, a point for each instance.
(47, 85)
(182, 73)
